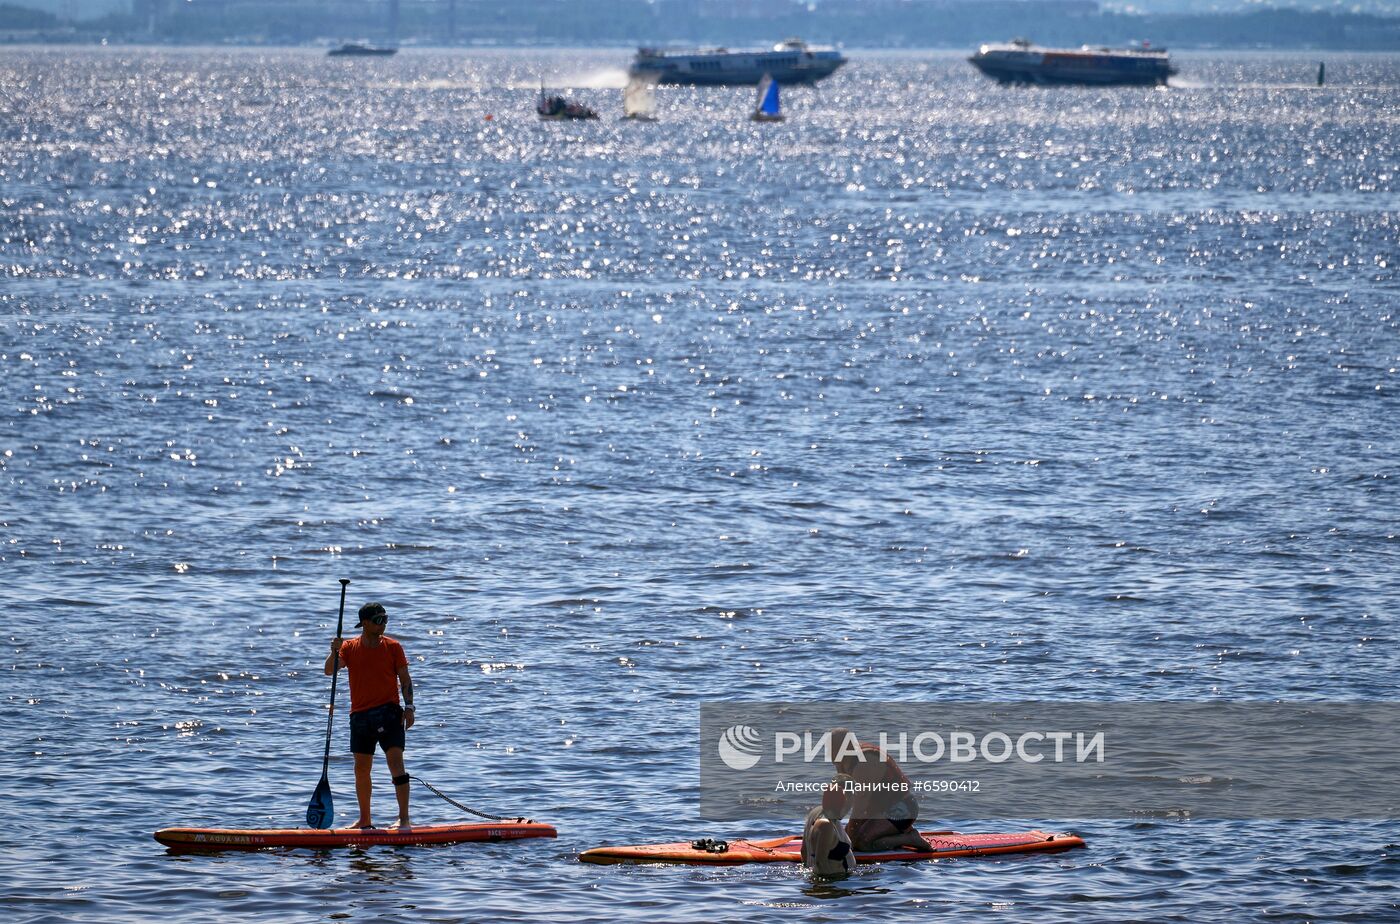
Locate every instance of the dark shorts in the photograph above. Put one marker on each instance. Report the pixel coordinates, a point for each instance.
(382, 725)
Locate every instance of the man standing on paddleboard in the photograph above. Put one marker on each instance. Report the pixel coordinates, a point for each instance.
(378, 669)
(884, 810)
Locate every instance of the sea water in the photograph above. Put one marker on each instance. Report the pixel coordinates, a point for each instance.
(938, 390)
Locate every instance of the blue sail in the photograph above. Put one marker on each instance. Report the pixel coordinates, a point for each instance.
(770, 105)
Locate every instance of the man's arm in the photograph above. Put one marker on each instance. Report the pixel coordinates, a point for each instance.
(406, 684)
(333, 662)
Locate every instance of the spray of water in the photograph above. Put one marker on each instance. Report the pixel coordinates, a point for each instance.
(608, 78)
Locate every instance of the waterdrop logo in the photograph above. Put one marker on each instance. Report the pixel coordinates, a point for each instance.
(739, 747)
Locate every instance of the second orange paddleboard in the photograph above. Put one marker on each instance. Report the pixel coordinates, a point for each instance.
(788, 849)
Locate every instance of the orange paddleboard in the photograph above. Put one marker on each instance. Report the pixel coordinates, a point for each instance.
(262, 838)
(789, 849)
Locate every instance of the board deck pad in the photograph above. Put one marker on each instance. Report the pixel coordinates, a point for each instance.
(941, 844)
(190, 839)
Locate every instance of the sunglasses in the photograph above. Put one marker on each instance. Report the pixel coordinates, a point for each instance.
(378, 619)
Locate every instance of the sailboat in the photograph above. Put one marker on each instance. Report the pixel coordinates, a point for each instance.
(769, 109)
(639, 99)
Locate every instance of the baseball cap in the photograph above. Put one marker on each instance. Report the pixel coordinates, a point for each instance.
(371, 610)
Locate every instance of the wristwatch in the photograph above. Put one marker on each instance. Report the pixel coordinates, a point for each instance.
(408, 707)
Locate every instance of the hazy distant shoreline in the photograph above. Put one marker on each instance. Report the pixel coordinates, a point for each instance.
(948, 25)
(627, 48)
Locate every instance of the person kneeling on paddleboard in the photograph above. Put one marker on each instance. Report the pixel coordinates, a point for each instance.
(826, 848)
(378, 669)
(884, 809)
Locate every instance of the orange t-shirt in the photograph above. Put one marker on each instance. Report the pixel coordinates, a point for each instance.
(374, 671)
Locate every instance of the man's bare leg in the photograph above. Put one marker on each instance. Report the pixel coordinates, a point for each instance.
(364, 789)
(878, 837)
(900, 839)
(394, 757)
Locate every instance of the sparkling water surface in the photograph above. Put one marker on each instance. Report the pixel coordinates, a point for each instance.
(937, 390)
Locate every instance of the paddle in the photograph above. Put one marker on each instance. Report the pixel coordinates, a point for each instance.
(320, 811)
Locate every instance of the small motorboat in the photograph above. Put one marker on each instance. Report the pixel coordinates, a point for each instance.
(555, 108)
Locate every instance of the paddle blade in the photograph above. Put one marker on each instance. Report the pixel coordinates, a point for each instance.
(320, 811)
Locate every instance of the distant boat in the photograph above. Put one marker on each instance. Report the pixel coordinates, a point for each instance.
(1021, 62)
(769, 109)
(555, 108)
(790, 61)
(639, 99)
(355, 49)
